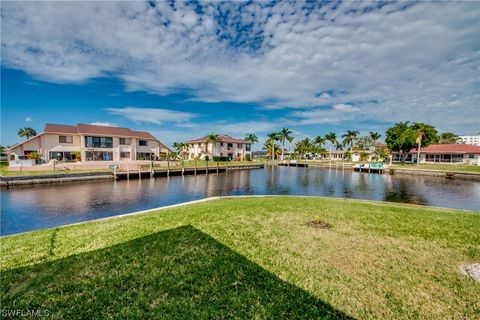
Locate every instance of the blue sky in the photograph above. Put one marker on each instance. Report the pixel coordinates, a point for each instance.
(182, 70)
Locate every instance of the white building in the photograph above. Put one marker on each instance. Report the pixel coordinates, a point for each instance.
(235, 149)
(473, 140)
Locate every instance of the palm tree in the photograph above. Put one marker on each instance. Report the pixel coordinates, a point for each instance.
(251, 137)
(180, 147)
(319, 141)
(272, 138)
(339, 146)
(424, 135)
(349, 138)
(27, 132)
(271, 147)
(304, 146)
(332, 138)
(213, 138)
(375, 136)
(285, 134)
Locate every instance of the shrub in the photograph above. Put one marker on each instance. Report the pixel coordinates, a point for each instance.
(207, 158)
(221, 159)
(248, 157)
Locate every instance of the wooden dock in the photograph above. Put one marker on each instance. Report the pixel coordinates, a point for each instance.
(152, 171)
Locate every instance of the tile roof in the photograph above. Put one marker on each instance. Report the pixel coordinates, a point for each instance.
(93, 129)
(449, 148)
(222, 137)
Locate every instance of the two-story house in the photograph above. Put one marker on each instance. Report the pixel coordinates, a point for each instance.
(226, 146)
(84, 142)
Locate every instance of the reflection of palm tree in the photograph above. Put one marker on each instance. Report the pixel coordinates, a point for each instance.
(285, 134)
(213, 139)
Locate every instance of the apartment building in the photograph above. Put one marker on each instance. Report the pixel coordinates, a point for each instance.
(473, 140)
(226, 146)
(87, 143)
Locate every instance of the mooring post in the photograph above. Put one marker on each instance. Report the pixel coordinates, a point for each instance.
(217, 166)
(115, 172)
(183, 168)
(151, 169)
(168, 168)
(206, 166)
(195, 166)
(139, 171)
(128, 172)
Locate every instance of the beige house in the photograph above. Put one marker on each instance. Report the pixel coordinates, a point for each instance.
(442, 153)
(88, 143)
(235, 149)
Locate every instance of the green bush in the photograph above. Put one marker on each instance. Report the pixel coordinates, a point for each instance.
(248, 157)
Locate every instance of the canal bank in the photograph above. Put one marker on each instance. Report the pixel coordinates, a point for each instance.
(23, 180)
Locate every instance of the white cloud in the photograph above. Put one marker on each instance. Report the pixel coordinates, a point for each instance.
(345, 107)
(106, 124)
(151, 115)
(28, 119)
(418, 61)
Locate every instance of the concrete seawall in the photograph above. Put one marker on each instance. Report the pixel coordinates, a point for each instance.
(22, 180)
(435, 173)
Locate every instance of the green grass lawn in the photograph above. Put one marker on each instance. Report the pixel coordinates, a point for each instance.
(441, 167)
(251, 258)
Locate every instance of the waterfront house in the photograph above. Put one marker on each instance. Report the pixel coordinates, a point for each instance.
(442, 153)
(226, 146)
(90, 143)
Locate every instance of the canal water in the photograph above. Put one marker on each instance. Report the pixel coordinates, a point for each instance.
(42, 206)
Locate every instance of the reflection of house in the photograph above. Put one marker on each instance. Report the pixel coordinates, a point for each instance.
(442, 153)
(236, 149)
(90, 143)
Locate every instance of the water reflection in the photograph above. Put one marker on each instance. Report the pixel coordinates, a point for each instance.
(29, 208)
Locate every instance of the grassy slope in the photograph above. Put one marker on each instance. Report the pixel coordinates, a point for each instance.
(251, 257)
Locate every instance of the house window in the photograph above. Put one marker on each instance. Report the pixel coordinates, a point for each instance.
(230, 146)
(124, 155)
(240, 145)
(471, 156)
(221, 144)
(98, 156)
(125, 141)
(248, 147)
(143, 143)
(98, 142)
(145, 156)
(65, 139)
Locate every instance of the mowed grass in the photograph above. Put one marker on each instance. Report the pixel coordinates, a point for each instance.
(440, 167)
(251, 258)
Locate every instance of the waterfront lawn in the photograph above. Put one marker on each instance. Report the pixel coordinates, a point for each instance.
(251, 258)
(441, 167)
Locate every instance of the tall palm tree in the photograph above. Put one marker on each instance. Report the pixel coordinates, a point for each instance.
(332, 138)
(304, 146)
(319, 141)
(251, 137)
(375, 136)
(339, 146)
(349, 138)
(213, 138)
(424, 135)
(27, 132)
(273, 137)
(285, 134)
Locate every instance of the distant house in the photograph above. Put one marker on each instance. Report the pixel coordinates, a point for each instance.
(86, 143)
(233, 148)
(356, 155)
(442, 153)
